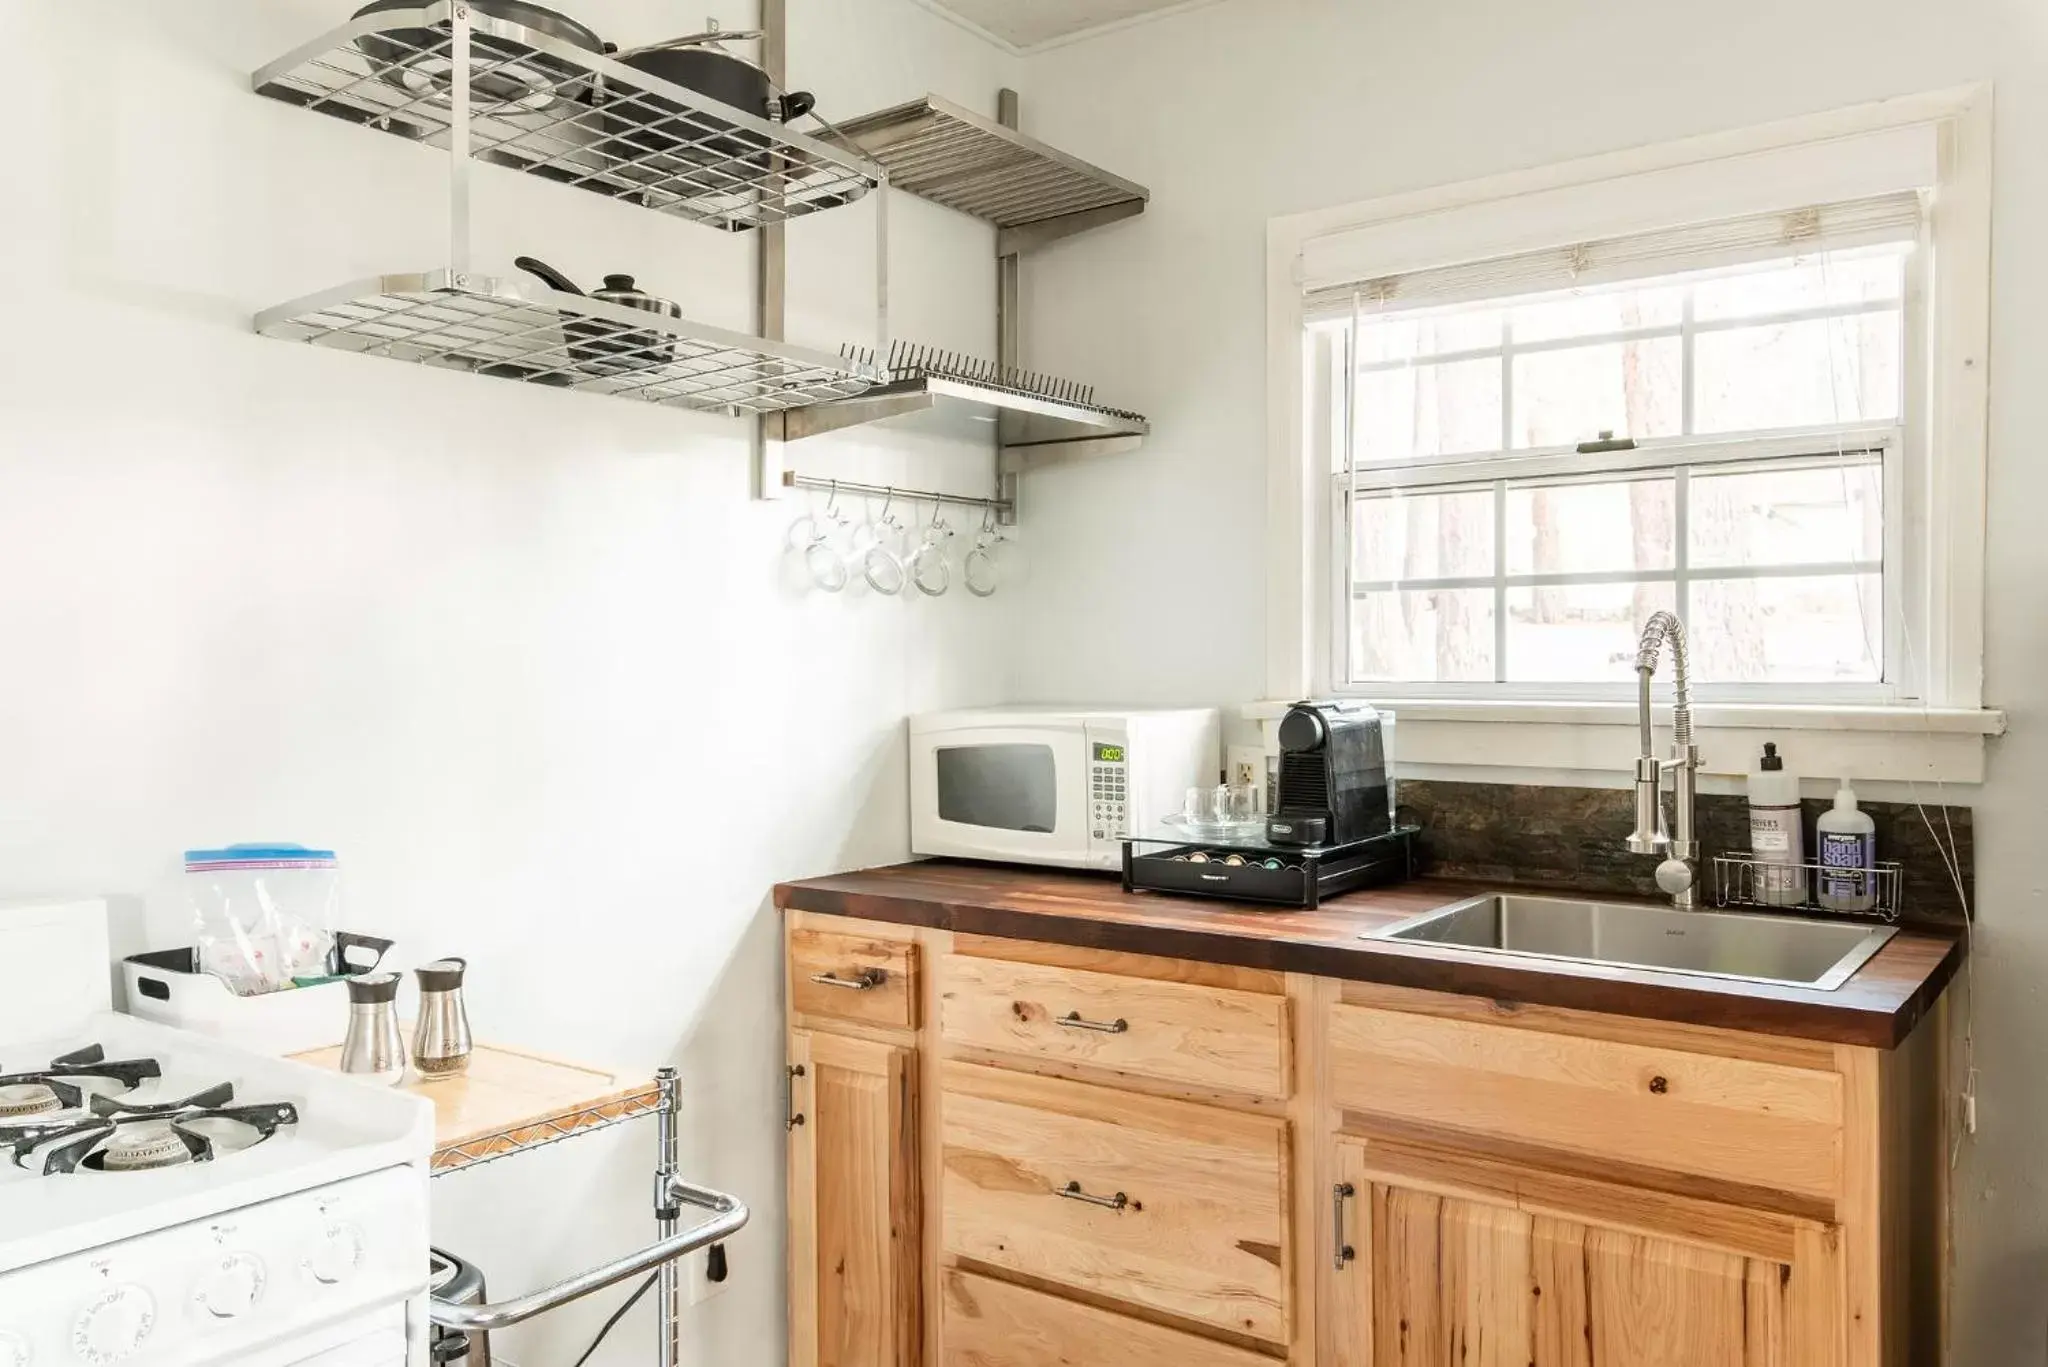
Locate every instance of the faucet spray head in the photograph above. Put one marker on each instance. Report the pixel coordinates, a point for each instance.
(1648, 836)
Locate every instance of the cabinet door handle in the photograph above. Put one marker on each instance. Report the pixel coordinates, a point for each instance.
(1072, 1021)
(865, 981)
(789, 1077)
(1343, 1252)
(1072, 1191)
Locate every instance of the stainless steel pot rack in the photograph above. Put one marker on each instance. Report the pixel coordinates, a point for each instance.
(516, 331)
(728, 1215)
(483, 89)
(451, 77)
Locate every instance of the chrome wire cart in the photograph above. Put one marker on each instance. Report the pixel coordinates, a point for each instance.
(723, 1216)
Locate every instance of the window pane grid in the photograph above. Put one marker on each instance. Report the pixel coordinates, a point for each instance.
(1763, 411)
(1733, 322)
(1463, 614)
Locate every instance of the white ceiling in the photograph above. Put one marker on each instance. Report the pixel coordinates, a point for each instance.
(1026, 24)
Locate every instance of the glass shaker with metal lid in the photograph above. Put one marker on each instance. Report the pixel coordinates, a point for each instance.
(440, 1041)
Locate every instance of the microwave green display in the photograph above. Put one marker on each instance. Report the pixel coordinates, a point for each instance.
(1109, 754)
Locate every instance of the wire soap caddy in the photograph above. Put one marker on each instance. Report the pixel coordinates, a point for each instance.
(1744, 880)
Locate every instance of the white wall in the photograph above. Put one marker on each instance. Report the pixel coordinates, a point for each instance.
(530, 660)
(1148, 579)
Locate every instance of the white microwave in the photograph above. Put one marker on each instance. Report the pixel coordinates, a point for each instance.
(1054, 785)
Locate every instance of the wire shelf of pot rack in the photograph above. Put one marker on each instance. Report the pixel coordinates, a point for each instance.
(514, 331)
(549, 107)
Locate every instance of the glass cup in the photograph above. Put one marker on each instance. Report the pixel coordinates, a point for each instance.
(1241, 803)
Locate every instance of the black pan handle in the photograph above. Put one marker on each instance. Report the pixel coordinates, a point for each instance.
(555, 279)
(796, 104)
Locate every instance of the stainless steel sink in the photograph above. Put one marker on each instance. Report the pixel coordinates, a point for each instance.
(1748, 946)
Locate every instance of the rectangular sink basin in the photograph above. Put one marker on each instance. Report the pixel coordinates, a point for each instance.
(1747, 946)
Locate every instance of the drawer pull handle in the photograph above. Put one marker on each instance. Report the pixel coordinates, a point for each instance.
(1659, 1085)
(865, 981)
(1344, 1252)
(1072, 1191)
(1072, 1020)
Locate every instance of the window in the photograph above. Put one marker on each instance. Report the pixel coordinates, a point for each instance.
(1529, 455)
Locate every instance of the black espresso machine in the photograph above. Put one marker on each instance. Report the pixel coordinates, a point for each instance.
(1336, 782)
(1330, 827)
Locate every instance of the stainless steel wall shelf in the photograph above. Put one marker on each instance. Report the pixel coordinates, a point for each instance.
(1027, 411)
(543, 106)
(516, 331)
(965, 161)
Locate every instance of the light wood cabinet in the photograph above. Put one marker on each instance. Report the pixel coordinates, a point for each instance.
(1458, 1264)
(855, 1258)
(1041, 1155)
(857, 978)
(991, 1323)
(1208, 1037)
(1164, 1205)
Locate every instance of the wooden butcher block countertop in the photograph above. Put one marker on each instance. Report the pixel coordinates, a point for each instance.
(1879, 1006)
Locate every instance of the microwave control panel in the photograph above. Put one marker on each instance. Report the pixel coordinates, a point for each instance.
(1108, 785)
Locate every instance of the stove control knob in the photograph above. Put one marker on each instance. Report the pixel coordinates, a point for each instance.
(112, 1327)
(230, 1288)
(336, 1256)
(13, 1350)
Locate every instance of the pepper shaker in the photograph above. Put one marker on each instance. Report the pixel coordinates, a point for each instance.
(440, 1041)
(374, 1048)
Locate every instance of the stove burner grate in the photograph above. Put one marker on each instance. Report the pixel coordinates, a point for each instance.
(144, 1138)
(57, 1087)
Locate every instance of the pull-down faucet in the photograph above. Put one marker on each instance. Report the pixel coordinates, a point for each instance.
(1675, 874)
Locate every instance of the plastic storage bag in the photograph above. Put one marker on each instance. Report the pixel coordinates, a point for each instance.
(263, 915)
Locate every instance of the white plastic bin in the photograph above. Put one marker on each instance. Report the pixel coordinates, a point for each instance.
(166, 986)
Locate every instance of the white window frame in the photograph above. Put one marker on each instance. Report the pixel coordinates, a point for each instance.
(1935, 467)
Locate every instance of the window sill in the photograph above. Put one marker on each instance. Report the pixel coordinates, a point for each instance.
(1903, 744)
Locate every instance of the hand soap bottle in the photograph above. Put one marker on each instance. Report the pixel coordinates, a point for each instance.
(1848, 855)
(1777, 838)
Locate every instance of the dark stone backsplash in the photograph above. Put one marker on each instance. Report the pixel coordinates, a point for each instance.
(1573, 839)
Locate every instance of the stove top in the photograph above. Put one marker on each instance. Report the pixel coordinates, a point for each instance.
(126, 1126)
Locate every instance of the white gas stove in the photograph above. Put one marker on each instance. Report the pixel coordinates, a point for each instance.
(166, 1199)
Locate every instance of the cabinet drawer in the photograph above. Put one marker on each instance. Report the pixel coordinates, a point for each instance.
(1213, 1038)
(1764, 1125)
(1158, 1203)
(994, 1324)
(853, 978)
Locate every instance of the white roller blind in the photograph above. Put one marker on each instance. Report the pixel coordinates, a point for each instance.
(1732, 241)
(1839, 170)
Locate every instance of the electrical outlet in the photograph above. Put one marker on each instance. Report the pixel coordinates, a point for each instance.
(1248, 767)
(701, 1266)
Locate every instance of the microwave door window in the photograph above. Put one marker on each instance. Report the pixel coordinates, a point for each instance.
(999, 787)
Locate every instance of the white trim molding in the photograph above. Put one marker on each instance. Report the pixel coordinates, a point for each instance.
(1902, 744)
(1943, 546)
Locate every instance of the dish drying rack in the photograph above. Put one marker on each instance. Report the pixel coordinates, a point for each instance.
(911, 361)
(1744, 880)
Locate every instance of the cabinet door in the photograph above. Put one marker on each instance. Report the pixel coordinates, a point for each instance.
(1458, 1263)
(853, 1203)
